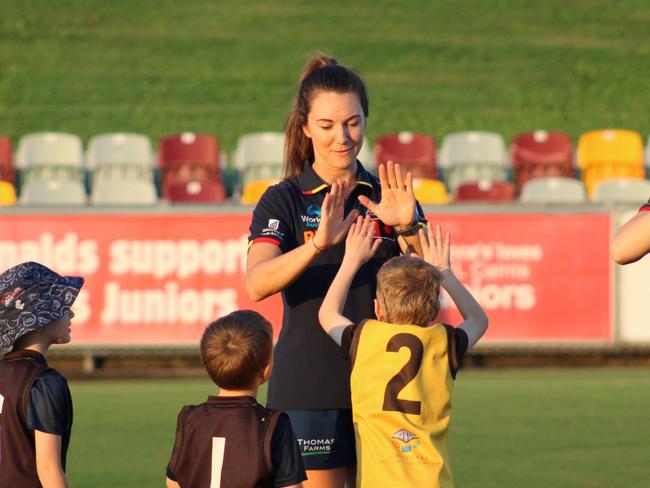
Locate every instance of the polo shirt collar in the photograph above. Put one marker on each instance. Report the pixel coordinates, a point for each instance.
(310, 183)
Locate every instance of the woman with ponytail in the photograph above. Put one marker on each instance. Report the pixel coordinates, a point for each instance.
(296, 246)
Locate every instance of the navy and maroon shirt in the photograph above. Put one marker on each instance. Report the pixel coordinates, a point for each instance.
(308, 371)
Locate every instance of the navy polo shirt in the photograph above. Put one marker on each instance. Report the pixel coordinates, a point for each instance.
(308, 371)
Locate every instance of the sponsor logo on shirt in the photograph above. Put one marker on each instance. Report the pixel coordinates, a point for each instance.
(271, 229)
(405, 440)
(311, 217)
(314, 447)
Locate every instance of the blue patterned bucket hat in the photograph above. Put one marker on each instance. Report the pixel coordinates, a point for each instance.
(33, 296)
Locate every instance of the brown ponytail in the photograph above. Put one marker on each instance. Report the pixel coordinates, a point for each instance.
(321, 72)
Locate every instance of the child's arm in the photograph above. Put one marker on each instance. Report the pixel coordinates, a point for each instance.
(172, 484)
(436, 252)
(48, 460)
(359, 248)
(632, 240)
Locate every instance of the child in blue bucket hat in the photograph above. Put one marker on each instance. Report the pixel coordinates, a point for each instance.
(35, 401)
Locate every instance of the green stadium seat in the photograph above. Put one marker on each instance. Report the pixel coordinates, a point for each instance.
(553, 189)
(53, 192)
(622, 190)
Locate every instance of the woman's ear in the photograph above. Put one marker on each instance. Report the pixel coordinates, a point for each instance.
(305, 130)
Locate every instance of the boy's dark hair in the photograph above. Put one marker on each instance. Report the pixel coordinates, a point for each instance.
(236, 348)
(408, 290)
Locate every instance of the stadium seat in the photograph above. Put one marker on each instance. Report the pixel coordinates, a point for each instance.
(7, 193)
(622, 190)
(7, 172)
(118, 148)
(413, 152)
(48, 156)
(53, 192)
(188, 147)
(609, 154)
(473, 156)
(259, 156)
(117, 191)
(430, 192)
(541, 153)
(53, 148)
(196, 192)
(253, 190)
(485, 191)
(553, 189)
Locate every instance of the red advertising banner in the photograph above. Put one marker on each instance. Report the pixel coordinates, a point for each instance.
(161, 278)
(540, 277)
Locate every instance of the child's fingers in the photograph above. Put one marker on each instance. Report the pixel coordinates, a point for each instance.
(424, 241)
(438, 236)
(375, 246)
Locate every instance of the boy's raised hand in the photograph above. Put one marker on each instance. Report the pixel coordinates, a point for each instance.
(360, 245)
(434, 250)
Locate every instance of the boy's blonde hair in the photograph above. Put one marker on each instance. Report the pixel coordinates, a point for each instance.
(408, 290)
(236, 348)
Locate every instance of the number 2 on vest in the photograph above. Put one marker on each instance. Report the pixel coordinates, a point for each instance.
(405, 375)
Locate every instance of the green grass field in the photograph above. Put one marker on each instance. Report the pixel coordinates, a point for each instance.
(510, 429)
(227, 68)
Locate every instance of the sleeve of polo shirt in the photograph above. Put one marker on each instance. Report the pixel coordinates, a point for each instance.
(270, 222)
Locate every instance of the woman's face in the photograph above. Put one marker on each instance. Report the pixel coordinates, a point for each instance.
(335, 125)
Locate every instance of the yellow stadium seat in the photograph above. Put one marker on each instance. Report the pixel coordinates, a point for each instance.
(7, 193)
(609, 154)
(430, 192)
(253, 190)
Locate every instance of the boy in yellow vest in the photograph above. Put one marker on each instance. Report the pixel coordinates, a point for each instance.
(403, 363)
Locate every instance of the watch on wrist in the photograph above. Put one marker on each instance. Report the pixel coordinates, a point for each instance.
(417, 224)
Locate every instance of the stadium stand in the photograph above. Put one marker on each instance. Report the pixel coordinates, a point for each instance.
(485, 191)
(7, 172)
(473, 156)
(609, 154)
(7, 193)
(414, 152)
(541, 153)
(553, 189)
(622, 190)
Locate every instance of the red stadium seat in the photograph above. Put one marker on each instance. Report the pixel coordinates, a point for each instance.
(189, 157)
(188, 147)
(414, 152)
(541, 154)
(485, 191)
(7, 172)
(196, 192)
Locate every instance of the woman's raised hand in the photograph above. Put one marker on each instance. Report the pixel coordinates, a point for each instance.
(397, 205)
(333, 226)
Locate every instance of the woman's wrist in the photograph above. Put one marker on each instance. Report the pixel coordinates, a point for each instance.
(412, 228)
(319, 249)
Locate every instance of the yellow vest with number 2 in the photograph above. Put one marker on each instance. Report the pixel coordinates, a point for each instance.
(401, 403)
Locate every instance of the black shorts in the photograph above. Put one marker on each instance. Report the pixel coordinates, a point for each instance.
(325, 437)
